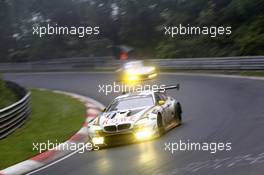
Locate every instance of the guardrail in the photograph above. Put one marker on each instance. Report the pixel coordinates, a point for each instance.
(225, 63)
(13, 116)
(92, 63)
(63, 64)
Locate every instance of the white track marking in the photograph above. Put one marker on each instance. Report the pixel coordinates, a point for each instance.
(52, 163)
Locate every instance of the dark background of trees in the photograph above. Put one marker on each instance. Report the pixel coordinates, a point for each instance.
(137, 23)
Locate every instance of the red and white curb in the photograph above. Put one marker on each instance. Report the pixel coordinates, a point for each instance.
(93, 108)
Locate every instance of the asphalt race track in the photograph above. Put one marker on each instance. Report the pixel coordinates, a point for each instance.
(215, 109)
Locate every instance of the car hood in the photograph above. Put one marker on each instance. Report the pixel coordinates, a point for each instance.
(121, 117)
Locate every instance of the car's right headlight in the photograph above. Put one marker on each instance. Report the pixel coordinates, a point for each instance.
(144, 134)
(152, 69)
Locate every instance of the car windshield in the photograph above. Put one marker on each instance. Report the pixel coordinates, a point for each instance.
(131, 103)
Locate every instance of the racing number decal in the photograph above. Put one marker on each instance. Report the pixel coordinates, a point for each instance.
(119, 120)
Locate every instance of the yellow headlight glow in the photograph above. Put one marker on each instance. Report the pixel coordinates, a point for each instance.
(132, 78)
(152, 68)
(143, 134)
(152, 75)
(98, 140)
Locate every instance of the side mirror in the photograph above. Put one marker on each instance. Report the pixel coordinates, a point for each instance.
(161, 102)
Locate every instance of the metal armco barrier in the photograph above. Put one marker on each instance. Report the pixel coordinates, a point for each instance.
(13, 116)
(225, 63)
(92, 63)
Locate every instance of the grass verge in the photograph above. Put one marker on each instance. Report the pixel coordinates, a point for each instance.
(6, 96)
(253, 73)
(55, 117)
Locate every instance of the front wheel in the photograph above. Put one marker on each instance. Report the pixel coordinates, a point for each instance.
(161, 129)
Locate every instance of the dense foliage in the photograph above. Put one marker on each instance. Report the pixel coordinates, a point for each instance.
(138, 23)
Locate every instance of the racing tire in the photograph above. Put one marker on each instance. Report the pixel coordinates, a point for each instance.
(178, 113)
(161, 129)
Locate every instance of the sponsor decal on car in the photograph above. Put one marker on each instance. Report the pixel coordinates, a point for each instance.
(119, 120)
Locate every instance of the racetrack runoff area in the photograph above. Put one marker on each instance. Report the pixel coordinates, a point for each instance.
(55, 118)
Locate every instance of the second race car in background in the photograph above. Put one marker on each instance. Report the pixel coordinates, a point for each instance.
(134, 117)
(135, 71)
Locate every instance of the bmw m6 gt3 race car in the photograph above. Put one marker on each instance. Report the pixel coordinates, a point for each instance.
(135, 71)
(135, 117)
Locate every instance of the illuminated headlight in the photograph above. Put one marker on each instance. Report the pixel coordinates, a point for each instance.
(152, 69)
(132, 78)
(131, 75)
(98, 140)
(95, 127)
(152, 75)
(143, 134)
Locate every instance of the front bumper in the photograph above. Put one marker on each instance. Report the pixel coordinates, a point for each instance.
(130, 78)
(102, 138)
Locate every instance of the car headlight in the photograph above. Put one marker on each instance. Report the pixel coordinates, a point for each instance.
(152, 75)
(132, 78)
(98, 140)
(144, 134)
(152, 69)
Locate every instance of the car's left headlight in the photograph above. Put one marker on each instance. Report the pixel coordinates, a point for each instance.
(142, 129)
(152, 69)
(98, 140)
(132, 78)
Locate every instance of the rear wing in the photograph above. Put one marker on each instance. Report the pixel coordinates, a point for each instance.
(162, 88)
(168, 87)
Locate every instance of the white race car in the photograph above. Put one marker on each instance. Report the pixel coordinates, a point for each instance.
(135, 117)
(136, 71)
